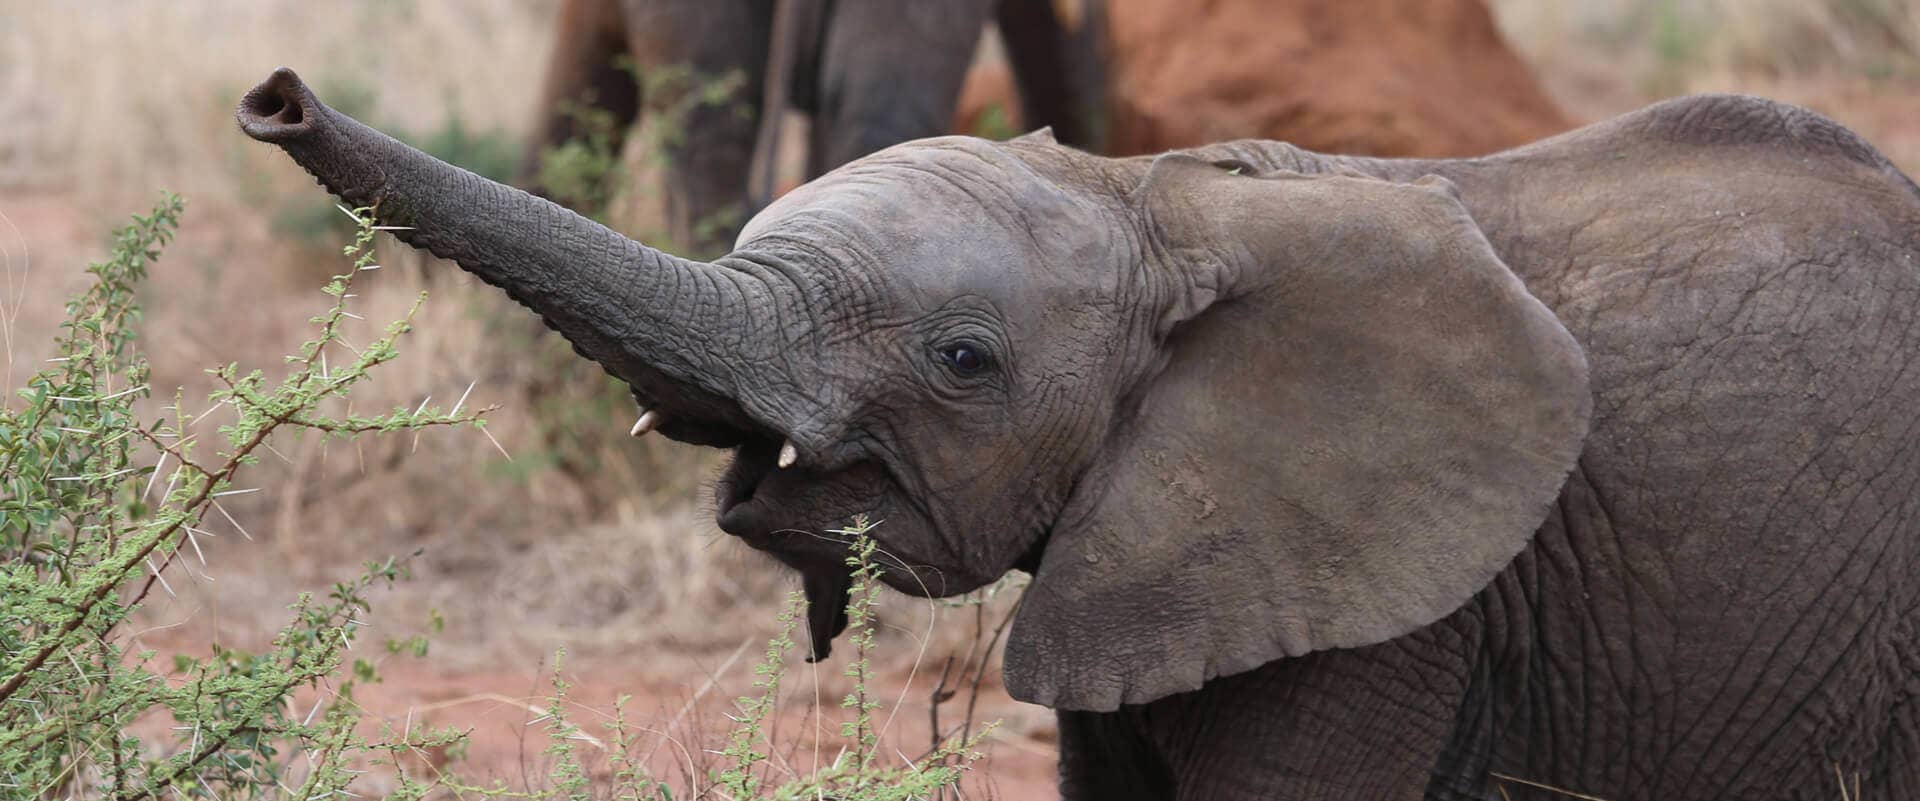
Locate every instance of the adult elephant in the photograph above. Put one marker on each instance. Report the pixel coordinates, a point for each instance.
(1593, 464)
(871, 73)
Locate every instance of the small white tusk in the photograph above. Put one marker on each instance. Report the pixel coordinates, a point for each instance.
(788, 455)
(649, 420)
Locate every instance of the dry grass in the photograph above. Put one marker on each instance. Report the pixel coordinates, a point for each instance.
(131, 95)
(1870, 39)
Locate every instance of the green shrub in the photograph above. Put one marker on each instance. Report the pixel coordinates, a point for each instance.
(85, 539)
(994, 123)
(97, 506)
(585, 173)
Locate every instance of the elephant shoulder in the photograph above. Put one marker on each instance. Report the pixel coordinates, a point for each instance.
(1730, 119)
(1731, 123)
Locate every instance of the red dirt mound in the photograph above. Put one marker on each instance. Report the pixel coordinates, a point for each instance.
(1377, 77)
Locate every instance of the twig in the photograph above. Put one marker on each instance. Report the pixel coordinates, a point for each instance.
(1547, 787)
(940, 695)
(980, 669)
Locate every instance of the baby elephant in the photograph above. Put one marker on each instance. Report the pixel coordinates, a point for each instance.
(1592, 465)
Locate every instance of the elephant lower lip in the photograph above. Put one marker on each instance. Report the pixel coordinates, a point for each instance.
(753, 461)
(745, 519)
(740, 521)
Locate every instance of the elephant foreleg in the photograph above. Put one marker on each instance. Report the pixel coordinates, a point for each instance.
(1102, 756)
(1365, 724)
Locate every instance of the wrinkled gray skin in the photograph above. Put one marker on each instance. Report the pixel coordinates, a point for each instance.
(1592, 463)
(871, 73)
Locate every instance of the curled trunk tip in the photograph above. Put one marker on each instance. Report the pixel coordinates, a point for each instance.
(278, 110)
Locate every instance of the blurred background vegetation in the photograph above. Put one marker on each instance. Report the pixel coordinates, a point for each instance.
(1855, 60)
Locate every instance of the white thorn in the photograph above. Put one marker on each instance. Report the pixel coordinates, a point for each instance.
(649, 420)
(788, 455)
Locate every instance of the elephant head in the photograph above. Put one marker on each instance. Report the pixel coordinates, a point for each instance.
(1222, 418)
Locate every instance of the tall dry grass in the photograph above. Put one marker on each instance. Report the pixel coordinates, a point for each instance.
(1870, 39)
(109, 99)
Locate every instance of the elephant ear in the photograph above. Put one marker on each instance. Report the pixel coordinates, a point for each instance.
(1363, 416)
(1042, 135)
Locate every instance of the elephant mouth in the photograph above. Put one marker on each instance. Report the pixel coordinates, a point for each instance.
(791, 513)
(773, 508)
(794, 513)
(745, 510)
(753, 461)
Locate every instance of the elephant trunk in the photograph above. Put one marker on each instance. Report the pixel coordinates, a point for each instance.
(655, 320)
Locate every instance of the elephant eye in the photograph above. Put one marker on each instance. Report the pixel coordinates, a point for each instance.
(965, 358)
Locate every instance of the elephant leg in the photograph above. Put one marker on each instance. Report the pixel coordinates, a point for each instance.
(1377, 723)
(1057, 68)
(1902, 757)
(890, 71)
(794, 44)
(681, 48)
(1103, 756)
(582, 73)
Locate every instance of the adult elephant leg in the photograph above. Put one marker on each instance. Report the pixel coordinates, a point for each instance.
(1058, 68)
(681, 48)
(890, 71)
(788, 83)
(583, 72)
